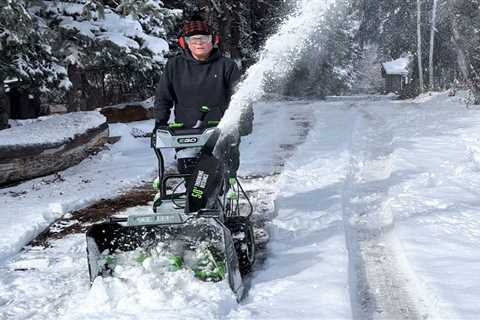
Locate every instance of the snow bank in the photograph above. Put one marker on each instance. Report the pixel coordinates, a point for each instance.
(31, 207)
(56, 129)
(306, 273)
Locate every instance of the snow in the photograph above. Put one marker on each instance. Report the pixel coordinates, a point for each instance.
(55, 129)
(156, 45)
(27, 209)
(306, 273)
(119, 40)
(118, 24)
(176, 296)
(376, 214)
(437, 202)
(274, 146)
(122, 30)
(278, 57)
(397, 67)
(125, 32)
(65, 7)
(82, 27)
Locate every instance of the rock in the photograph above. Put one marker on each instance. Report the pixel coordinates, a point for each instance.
(55, 109)
(23, 162)
(127, 113)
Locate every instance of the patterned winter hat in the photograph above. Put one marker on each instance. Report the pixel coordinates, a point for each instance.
(196, 26)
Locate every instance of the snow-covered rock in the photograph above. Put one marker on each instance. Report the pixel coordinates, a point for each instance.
(49, 145)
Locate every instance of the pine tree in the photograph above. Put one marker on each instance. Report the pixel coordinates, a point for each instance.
(68, 49)
(26, 48)
(111, 53)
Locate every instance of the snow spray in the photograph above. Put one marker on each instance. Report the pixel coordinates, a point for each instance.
(280, 54)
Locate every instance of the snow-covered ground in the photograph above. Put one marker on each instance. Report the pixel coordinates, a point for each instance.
(376, 218)
(32, 206)
(27, 209)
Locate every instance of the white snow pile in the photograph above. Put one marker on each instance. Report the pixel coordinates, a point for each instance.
(397, 67)
(55, 129)
(155, 291)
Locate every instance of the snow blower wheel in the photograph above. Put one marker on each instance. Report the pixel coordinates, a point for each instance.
(244, 242)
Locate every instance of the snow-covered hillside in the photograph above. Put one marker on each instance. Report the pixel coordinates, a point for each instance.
(375, 218)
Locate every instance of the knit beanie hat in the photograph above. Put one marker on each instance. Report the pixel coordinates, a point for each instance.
(195, 26)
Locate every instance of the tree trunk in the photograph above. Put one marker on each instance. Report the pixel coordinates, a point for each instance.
(75, 98)
(4, 110)
(419, 44)
(432, 40)
(462, 58)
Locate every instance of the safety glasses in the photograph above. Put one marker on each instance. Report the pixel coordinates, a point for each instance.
(198, 39)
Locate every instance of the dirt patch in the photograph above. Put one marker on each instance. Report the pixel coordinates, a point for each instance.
(79, 221)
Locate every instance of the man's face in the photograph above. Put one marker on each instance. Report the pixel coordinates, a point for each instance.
(200, 46)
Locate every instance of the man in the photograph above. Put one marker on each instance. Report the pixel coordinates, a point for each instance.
(200, 76)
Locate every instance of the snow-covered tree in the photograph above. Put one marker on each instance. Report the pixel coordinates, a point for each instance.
(328, 59)
(112, 51)
(95, 52)
(26, 48)
(243, 25)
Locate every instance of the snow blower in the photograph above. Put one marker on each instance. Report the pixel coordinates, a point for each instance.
(200, 216)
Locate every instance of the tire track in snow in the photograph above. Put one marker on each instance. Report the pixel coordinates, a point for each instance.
(382, 286)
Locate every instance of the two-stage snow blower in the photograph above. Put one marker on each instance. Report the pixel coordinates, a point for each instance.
(201, 216)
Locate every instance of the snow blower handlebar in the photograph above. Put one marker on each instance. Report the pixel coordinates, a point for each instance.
(202, 135)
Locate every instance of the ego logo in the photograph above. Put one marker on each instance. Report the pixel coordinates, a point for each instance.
(187, 140)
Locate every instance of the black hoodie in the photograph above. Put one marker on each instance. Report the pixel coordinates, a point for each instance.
(189, 84)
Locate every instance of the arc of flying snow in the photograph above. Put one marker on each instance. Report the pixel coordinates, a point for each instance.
(277, 59)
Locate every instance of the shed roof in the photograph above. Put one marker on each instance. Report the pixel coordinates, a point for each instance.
(397, 67)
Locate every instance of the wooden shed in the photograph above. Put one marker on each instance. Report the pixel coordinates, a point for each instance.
(396, 74)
